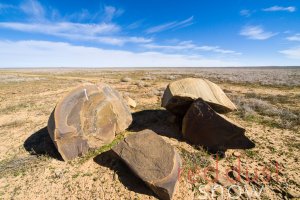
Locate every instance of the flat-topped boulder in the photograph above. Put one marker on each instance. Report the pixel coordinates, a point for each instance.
(153, 160)
(203, 126)
(87, 117)
(180, 94)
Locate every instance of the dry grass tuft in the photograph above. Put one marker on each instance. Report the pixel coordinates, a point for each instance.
(262, 111)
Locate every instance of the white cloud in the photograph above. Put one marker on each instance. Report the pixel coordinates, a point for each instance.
(280, 8)
(293, 53)
(295, 37)
(171, 25)
(102, 33)
(58, 54)
(55, 28)
(256, 33)
(34, 9)
(246, 13)
(189, 45)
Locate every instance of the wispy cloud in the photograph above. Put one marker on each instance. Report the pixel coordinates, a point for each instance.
(50, 22)
(256, 33)
(82, 15)
(295, 37)
(111, 12)
(171, 25)
(293, 53)
(60, 54)
(102, 33)
(107, 14)
(135, 24)
(33, 9)
(245, 12)
(56, 28)
(280, 8)
(189, 45)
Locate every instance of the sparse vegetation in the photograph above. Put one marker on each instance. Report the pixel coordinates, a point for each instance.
(261, 111)
(18, 166)
(13, 124)
(251, 153)
(268, 102)
(14, 108)
(93, 153)
(193, 163)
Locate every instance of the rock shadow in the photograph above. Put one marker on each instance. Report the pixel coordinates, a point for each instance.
(133, 183)
(40, 143)
(159, 121)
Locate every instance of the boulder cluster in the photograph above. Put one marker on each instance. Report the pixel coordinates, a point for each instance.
(200, 104)
(91, 115)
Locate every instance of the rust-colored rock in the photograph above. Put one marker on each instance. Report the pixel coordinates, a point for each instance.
(180, 94)
(203, 126)
(153, 160)
(87, 117)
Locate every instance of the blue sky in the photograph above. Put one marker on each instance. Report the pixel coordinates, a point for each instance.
(156, 33)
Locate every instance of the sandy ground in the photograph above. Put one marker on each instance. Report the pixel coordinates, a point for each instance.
(31, 168)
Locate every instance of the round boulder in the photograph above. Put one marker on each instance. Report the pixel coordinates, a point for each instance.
(87, 117)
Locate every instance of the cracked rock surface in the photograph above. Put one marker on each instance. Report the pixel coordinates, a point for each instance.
(153, 160)
(180, 94)
(87, 117)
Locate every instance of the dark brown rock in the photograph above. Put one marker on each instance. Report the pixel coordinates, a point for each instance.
(203, 126)
(87, 117)
(153, 160)
(180, 94)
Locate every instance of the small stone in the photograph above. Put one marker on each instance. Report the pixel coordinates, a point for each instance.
(157, 92)
(126, 79)
(147, 85)
(140, 84)
(58, 173)
(130, 102)
(147, 78)
(237, 154)
(170, 77)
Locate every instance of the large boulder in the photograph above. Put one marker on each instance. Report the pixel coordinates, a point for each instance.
(87, 117)
(153, 160)
(203, 126)
(180, 94)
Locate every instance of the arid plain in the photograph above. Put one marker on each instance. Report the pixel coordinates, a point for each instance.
(268, 108)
